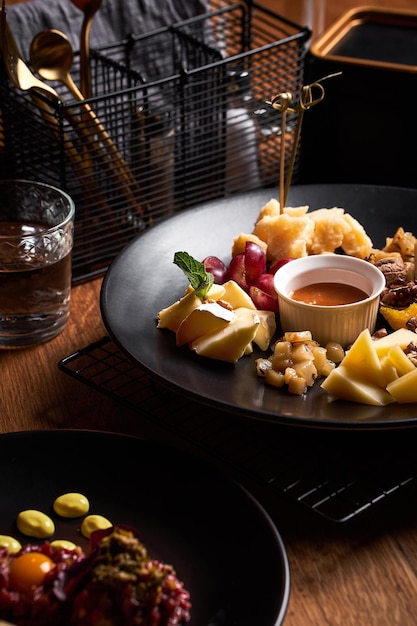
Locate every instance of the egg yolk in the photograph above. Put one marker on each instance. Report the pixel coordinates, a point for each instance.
(29, 570)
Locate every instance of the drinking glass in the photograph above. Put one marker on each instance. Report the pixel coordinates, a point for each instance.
(36, 240)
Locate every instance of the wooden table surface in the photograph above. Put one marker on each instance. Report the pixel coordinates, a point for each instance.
(354, 574)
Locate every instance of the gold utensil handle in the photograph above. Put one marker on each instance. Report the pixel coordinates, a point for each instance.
(85, 68)
(117, 168)
(22, 77)
(98, 136)
(75, 159)
(88, 183)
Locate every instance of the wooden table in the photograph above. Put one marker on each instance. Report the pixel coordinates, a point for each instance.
(360, 573)
(356, 574)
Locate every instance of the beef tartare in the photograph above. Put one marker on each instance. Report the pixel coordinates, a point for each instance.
(116, 584)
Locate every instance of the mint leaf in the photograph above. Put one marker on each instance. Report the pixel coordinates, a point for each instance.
(199, 279)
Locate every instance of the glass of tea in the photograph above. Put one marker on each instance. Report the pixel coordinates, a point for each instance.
(36, 240)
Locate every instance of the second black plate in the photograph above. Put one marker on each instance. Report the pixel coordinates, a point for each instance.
(211, 530)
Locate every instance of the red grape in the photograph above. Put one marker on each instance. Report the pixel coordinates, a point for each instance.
(216, 267)
(255, 261)
(237, 270)
(263, 301)
(265, 282)
(278, 263)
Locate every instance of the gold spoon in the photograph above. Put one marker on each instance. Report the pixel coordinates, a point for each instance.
(51, 55)
(19, 73)
(22, 78)
(90, 8)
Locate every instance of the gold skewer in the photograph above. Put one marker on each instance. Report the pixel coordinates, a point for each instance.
(282, 102)
(308, 98)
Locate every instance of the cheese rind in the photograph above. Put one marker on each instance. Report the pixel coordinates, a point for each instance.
(172, 316)
(206, 318)
(266, 329)
(229, 343)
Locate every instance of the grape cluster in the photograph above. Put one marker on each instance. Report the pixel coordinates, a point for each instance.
(250, 270)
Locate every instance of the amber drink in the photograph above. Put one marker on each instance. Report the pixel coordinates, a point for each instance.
(36, 239)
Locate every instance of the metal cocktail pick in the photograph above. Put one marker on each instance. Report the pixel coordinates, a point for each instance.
(310, 95)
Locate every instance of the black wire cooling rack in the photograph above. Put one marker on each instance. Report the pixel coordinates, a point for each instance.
(336, 474)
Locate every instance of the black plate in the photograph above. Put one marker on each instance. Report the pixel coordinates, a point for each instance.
(220, 541)
(143, 279)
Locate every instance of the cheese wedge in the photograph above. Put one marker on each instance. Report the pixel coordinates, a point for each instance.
(389, 371)
(172, 316)
(204, 319)
(236, 296)
(229, 343)
(362, 360)
(266, 329)
(401, 337)
(399, 359)
(404, 389)
(340, 384)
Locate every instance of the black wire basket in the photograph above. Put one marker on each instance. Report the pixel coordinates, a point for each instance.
(178, 116)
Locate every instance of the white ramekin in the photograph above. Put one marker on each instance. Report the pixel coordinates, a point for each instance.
(341, 323)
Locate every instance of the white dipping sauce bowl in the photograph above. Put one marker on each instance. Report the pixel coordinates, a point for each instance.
(341, 323)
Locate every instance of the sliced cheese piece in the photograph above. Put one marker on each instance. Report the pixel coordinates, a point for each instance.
(172, 316)
(236, 296)
(206, 318)
(266, 329)
(248, 349)
(229, 343)
(362, 360)
(389, 371)
(401, 337)
(340, 384)
(400, 360)
(404, 389)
